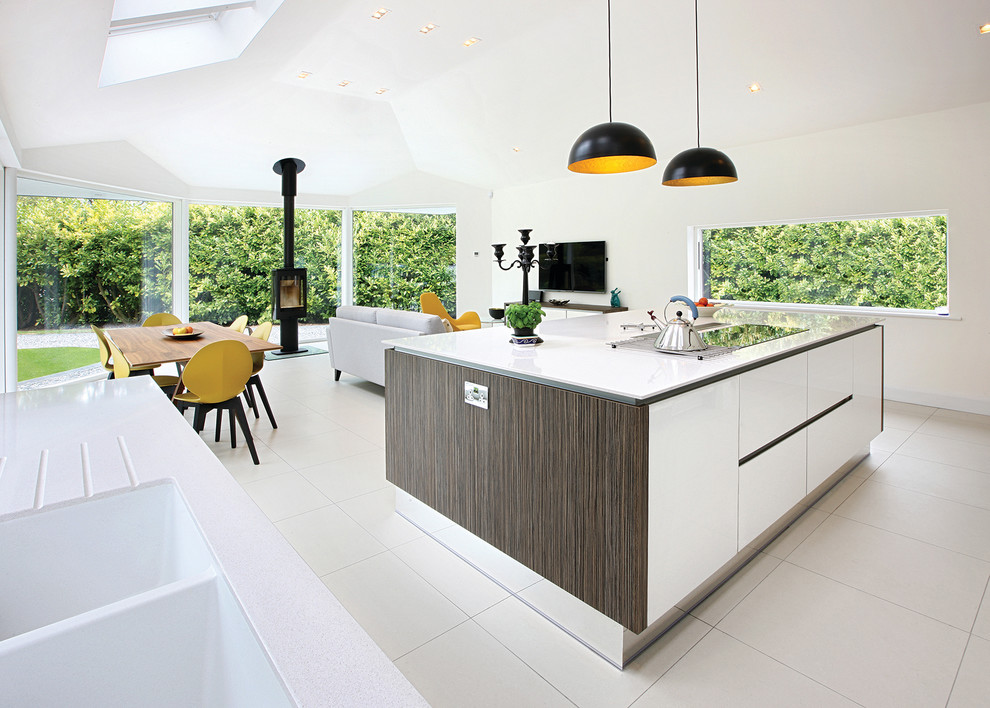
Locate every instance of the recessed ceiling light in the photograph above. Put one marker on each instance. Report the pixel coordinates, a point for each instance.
(755, 87)
(380, 13)
(471, 41)
(343, 83)
(985, 29)
(381, 91)
(304, 74)
(427, 28)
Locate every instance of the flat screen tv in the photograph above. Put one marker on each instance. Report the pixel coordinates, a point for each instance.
(577, 267)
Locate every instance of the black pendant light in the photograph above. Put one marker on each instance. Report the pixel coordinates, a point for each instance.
(610, 147)
(698, 165)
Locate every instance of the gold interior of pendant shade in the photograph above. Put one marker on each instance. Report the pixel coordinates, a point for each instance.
(700, 181)
(612, 164)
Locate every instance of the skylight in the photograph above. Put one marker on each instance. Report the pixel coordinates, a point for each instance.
(153, 37)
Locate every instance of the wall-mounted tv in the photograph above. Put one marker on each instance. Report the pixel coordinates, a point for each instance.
(578, 266)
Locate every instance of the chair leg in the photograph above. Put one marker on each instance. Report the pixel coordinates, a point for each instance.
(249, 397)
(238, 410)
(216, 437)
(336, 374)
(233, 428)
(199, 418)
(256, 380)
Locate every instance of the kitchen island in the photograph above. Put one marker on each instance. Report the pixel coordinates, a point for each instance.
(629, 480)
(135, 571)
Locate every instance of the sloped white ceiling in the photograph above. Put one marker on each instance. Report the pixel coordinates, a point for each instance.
(536, 80)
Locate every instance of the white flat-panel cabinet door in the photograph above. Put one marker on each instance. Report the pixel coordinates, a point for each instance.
(770, 484)
(830, 374)
(868, 383)
(773, 399)
(693, 491)
(832, 440)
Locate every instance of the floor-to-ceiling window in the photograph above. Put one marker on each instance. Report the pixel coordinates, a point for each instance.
(234, 249)
(84, 257)
(399, 255)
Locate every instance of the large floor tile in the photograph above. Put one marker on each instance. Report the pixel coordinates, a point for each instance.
(572, 668)
(955, 483)
(794, 534)
(958, 425)
(242, 468)
(905, 416)
(468, 667)
(291, 427)
(972, 688)
(393, 604)
(949, 524)
(350, 476)
(286, 495)
(375, 511)
(721, 671)
(507, 571)
(720, 603)
(839, 493)
(889, 440)
(936, 582)
(463, 585)
(328, 539)
(600, 632)
(949, 451)
(426, 518)
(868, 464)
(317, 449)
(869, 650)
(981, 627)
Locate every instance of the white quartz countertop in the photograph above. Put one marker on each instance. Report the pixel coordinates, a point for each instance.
(575, 354)
(321, 653)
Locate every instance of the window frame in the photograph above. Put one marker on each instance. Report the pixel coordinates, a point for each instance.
(695, 242)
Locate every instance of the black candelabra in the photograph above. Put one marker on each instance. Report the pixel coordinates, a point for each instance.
(525, 261)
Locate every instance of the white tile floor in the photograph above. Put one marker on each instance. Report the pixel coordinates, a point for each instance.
(877, 596)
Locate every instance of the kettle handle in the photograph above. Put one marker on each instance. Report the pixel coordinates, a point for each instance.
(687, 301)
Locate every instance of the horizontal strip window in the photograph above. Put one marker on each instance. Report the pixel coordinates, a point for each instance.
(796, 429)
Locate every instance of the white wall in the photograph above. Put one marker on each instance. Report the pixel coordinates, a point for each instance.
(474, 227)
(936, 161)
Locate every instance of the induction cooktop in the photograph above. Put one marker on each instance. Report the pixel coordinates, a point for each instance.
(745, 335)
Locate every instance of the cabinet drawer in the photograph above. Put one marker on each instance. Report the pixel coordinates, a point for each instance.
(832, 440)
(830, 374)
(770, 484)
(773, 399)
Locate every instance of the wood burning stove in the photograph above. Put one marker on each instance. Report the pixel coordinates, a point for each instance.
(289, 282)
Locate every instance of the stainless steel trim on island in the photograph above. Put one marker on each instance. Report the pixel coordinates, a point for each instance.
(637, 499)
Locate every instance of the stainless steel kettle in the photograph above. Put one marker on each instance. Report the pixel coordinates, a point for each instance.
(677, 334)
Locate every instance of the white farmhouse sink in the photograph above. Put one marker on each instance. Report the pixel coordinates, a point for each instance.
(118, 600)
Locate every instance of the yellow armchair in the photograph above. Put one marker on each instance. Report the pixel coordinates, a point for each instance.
(431, 305)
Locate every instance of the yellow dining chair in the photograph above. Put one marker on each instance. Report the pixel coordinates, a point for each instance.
(105, 356)
(239, 324)
(431, 305)
(262, 331)
(214, 379)
(161, 319)
(121, 370)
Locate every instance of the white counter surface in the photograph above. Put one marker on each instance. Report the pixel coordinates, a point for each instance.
(575, 354)
(322, 654)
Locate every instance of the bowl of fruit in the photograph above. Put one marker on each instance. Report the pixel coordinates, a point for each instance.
(182, 332)
(708, 308)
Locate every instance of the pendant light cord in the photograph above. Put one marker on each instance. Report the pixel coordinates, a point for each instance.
(697, 81)
(608, 6)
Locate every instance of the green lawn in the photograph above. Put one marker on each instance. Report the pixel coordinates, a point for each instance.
(32, 363)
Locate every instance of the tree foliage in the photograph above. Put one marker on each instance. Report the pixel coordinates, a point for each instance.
(98, 261)
(82, 261)
(897, 262)
(398, 256)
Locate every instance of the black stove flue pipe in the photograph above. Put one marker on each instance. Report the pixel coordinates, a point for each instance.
(289, 167)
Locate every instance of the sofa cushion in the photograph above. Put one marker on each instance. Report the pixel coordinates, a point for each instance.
(360, 313)
(417, 321)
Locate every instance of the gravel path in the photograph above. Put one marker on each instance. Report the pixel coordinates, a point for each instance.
(86, 338)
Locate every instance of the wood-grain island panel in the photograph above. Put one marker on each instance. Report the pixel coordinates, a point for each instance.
(555, 479)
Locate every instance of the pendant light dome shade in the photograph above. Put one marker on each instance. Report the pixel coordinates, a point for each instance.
(699, 166)
(611, 147)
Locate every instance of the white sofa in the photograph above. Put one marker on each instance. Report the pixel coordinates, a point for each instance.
(356, 333)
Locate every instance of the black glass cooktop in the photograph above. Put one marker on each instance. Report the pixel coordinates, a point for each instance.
(744, 335)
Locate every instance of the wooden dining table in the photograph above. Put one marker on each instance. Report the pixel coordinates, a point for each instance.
(152, 346)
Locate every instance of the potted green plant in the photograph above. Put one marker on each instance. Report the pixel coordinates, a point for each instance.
(523, 318)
